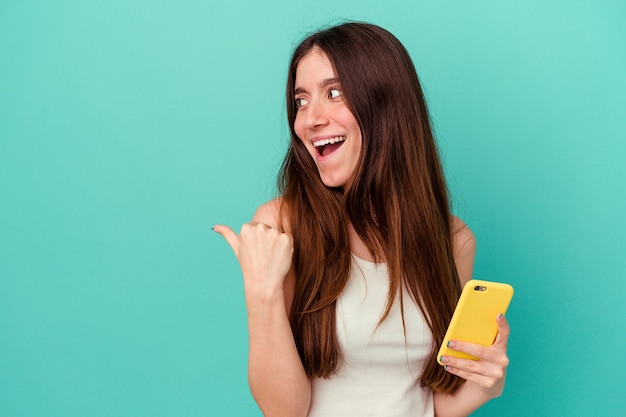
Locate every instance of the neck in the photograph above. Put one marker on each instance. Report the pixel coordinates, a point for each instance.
(358, 247)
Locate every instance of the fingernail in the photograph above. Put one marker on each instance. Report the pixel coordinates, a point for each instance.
(500, 315)
(443, 359)
(445, 368)
(451, 344)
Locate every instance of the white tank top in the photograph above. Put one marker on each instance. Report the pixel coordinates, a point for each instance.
(379, 374)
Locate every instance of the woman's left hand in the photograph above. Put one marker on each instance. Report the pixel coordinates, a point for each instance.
(489, 371)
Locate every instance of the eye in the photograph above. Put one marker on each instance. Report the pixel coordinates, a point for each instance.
(300, 102)
(334, 93)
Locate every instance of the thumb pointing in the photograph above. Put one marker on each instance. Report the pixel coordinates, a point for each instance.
(231, 237)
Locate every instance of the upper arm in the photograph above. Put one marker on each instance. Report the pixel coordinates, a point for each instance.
(464, 248)
(269, 213)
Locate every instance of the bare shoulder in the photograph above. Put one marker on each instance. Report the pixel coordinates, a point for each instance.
(271, 214)
(462, 236)
(464, 247)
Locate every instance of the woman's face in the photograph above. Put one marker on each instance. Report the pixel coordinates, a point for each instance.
(324, 124)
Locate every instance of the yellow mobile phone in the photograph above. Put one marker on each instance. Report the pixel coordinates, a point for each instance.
(474, 318)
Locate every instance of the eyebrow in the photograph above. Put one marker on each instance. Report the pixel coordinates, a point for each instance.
(325, 83)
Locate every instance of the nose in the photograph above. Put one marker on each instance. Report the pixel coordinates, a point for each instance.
(316, 115)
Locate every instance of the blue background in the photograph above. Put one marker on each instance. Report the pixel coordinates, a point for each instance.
(129, 128)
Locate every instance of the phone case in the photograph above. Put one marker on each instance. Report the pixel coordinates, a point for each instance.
(474, 318)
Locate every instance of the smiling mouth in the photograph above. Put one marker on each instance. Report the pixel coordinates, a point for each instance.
(327, 146)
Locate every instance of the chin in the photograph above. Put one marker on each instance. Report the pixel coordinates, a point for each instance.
(333, 182)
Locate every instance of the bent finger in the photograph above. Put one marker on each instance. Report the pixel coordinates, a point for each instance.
(264, 225)
(503, 331)
(474, 349)
(488, 382)
(231, 237)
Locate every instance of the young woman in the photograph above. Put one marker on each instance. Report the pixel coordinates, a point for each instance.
(351, 276)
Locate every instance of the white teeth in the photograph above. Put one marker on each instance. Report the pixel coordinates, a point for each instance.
(330, 141)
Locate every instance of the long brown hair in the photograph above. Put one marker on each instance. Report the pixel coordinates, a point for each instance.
(397, 200)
